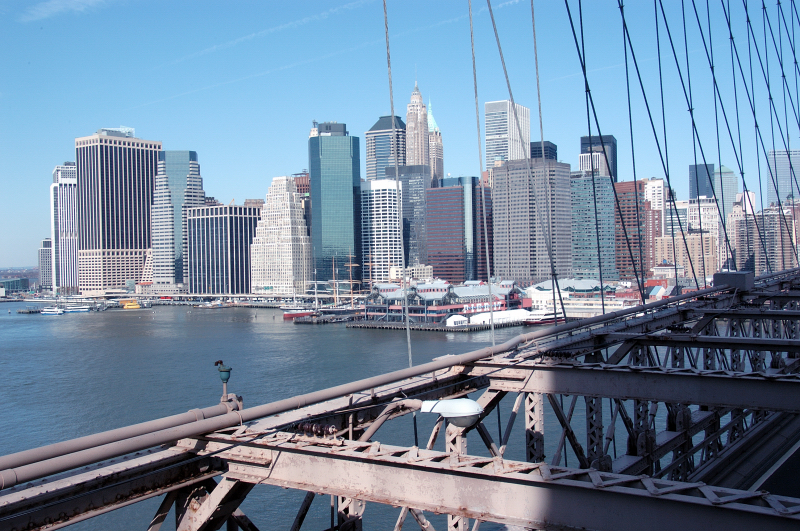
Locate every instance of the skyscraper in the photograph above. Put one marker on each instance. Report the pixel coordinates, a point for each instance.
(415, 180)
(701, 180)
(116, 174)
(435, 147)
(179, 186)
(280, 261)
(64, 229)
(417, 131)
(504, 140)
(587, 229)
(629, 238)
(550, 150)
(595, 144)
(784, 167)
(218, 248)
(46, 265)
(334, 171)
(726, 186)
(381, 149)
(456, 244)
(381, 230)
(532, 219)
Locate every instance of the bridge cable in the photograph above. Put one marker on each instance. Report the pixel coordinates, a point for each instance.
(602, 146)
(752, 106)
(655, 134)
(694, 139)
(594, 186)
(688, 98)
(548, 233)
(397, 189)
(480, 165)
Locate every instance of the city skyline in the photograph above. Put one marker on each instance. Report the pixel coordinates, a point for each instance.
(235, 66)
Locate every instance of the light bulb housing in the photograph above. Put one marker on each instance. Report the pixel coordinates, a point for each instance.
(461, 412)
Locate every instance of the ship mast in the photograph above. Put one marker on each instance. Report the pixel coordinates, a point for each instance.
(350, 265)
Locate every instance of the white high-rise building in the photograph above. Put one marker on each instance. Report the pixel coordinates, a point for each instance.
(64, 229)
(416, 131)
(116, 177)
(178, 186)
(381, 228)
(504, 140)
(594, 161)
(280, 255)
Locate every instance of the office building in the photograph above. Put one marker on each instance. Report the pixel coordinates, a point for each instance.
(415, 180)
(335, 175)
(456, 243)
(218, 248)
(115, 181)
(701, 180)
(629, 220)
(46, 265)
(703, 215)
(532, 220)
(676, 218)
(550, 150)
(179, 186)
(702, 249)
(594, 162)
(592, 200)
(381, 228)
(280, 255)
(382, 151)
(595, 144)
(784, 168)
(505, 139)
(417, 131)
(302, 184)
(726, 187)
(435, 148)
(64, 229)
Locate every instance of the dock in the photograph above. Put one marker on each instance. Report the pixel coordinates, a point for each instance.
(30, 310)
(328, 319)
(430, 327)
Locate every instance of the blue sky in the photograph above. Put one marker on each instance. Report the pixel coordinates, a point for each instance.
(240, 83)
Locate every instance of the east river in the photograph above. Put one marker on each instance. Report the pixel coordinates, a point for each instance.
(77, 374)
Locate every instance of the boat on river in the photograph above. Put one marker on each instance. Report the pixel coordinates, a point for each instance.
(52, 310)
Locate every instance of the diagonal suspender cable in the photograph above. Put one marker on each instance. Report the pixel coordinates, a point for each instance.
(652, 126)
(397, 188)
(553, 277)
(480, 165)
(602, 145)
(548, 233)
(594, 186)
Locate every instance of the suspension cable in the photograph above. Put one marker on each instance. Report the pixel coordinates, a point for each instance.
(480, 165)
(397, 189)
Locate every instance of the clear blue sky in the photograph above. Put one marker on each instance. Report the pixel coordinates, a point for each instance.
(240, 83)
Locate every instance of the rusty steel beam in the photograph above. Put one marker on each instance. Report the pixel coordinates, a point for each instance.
(713, 388)
(84, 494)
(531, 495)
(693, 341)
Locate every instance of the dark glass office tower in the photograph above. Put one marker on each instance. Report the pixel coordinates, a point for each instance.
(335, 174)
(701, 180)
(596, 144)
(456, 244)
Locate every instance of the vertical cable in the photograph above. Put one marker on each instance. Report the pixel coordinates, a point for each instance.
(397, 188)
(480, 165)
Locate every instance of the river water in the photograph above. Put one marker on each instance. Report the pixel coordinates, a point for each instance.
(77, 374)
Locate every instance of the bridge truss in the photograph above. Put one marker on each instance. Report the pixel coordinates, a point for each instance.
(700, 396)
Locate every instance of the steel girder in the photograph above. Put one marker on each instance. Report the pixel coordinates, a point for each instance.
(491, 489)
(73, 497)
(713, 388)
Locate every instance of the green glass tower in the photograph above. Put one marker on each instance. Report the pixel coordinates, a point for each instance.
(335, 177)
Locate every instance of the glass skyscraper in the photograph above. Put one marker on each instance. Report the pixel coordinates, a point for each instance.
(415, 179)
(334, 164)
(585, 232)
(381, 151)
(701, 180)
(784, 167)
(178, 186)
